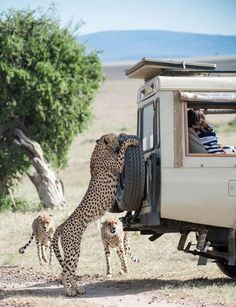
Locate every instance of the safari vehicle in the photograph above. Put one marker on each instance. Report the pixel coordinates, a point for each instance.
(164, 187)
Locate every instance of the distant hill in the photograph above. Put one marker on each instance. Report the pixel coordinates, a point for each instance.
(134, 45)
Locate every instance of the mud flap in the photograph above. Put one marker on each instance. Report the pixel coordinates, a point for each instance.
(231, 248)
(202, 260)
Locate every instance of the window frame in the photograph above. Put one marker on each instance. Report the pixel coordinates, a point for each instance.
(156, 123)
(209, 155)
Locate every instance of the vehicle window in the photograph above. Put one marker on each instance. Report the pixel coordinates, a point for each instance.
(148, 132)
(139, 123)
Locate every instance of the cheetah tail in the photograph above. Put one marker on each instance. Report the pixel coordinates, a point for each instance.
(128, 249)
(22, 249)
(56, 246)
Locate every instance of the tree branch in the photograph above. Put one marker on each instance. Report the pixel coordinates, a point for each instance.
(49, 188)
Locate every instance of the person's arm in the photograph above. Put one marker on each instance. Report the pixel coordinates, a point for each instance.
(195, 146)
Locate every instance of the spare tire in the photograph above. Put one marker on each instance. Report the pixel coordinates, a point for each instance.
(131, 183)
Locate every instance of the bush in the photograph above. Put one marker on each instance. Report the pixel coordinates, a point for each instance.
(47, 81)
(20, 205)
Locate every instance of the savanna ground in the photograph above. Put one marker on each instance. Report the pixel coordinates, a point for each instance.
(164, 276)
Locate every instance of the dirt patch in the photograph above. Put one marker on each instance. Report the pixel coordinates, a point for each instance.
(20, 275)
(21, 287)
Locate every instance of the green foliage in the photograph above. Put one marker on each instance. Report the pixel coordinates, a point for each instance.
(5, 203)
(20, 205)
(48, 81)
(228, 127)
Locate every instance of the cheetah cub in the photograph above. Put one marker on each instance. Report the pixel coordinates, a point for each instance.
(43, 230)
(113, 236)
(106, 164)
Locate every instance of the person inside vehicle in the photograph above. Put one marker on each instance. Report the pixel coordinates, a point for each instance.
(205, 133)
(195, 146)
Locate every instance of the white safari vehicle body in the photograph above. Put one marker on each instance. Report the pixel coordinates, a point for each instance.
(191, 186)
(171, 188)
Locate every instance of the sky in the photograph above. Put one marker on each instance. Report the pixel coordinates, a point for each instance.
(196, 16)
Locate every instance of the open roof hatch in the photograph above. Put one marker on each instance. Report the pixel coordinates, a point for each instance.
(149, 68)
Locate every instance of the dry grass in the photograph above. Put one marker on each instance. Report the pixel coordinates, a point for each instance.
(164, 274)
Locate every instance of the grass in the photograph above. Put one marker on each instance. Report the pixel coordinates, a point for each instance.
(225, 126)
(163, 272)
(228, 127)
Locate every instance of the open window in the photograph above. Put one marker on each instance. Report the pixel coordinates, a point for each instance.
(218, 137)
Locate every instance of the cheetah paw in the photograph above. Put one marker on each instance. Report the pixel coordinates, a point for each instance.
(71, 292)
(123, 271)
(80, 290)
(131, 142)
(135, 142)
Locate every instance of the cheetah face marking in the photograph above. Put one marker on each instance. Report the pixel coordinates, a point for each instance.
(46, 222)
(112, 226)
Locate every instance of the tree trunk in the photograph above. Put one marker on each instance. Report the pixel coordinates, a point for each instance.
(49, 187)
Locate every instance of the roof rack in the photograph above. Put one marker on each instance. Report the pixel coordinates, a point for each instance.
(149, 68)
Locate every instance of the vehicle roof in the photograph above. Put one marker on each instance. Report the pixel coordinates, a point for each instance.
(148, 68)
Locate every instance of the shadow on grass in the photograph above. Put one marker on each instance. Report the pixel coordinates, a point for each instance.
(116, 287)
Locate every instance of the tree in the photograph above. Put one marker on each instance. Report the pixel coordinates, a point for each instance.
(47, 84)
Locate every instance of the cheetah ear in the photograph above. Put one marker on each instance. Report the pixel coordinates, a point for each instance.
(97, 141)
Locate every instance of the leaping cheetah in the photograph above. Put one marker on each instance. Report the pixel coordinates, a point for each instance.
(106, 164)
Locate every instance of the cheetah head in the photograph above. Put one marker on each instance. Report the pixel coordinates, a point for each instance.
(46, 222)
(109, 142)
(112, 226)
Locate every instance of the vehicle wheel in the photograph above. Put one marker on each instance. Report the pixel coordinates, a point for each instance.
(228, 270)
(131, 184)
